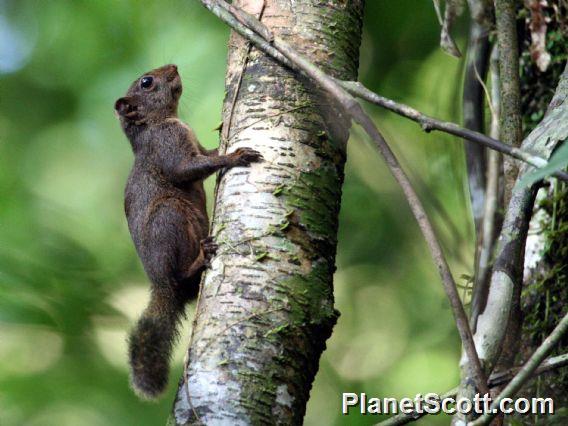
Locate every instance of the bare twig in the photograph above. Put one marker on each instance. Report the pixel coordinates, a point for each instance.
(528, 369)
(453, 10)
(496, 310)
(279, 49)
(254, 34)
(438, 10)
(429, 123)
(405, 418)
(357, 89)
(498, 379)
(546, 136)
(547, 365)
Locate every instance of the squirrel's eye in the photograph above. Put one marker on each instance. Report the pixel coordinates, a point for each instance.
(146, 82)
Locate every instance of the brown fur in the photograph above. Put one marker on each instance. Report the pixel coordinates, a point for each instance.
(167, 218)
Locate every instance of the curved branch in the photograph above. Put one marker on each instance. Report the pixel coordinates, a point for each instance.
(528, 369)
(550, 364)
(429, 123)
(279, 48)
(505, 284)
(256, 31)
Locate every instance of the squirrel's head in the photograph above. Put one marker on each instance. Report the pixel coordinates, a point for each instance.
(152, 97)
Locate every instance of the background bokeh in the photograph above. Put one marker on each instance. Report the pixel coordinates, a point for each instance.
(70, 282)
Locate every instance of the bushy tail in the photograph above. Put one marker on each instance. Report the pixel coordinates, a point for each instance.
(150, 345)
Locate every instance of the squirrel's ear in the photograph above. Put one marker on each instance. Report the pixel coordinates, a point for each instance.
(127, 108)
(123, 106)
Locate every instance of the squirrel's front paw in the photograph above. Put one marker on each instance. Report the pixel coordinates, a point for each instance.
(209, 248)
(245, 156)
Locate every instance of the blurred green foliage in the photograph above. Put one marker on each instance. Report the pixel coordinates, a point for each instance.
(70, 282)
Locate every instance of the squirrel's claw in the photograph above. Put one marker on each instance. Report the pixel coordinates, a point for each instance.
(244, 156)
(209, 248)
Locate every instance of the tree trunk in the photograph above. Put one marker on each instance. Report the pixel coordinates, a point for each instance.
(266, 306)
(498, 330)
(545, 291)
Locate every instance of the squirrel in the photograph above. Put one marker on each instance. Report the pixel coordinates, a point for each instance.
(166, 214)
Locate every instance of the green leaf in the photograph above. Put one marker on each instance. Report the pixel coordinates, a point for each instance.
(558, 161)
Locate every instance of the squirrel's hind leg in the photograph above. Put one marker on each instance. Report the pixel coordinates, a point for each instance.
(191, 278)
(207, 250)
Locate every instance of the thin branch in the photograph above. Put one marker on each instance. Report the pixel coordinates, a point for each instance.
(405, 418)
(438, 10)
(254, 34)
(429, 123)
(250, 21)
(453, 9)
(547, 365)
(498, 310)
(497, 379)
(488, 96)
(278, 49)
(528, 369)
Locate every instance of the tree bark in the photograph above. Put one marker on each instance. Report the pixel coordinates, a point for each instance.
(506, 278)
(511, 127)
(266, 309)
(545, 282)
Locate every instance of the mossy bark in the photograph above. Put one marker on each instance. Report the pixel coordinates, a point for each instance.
(266, 306)
(544, 299)
(503, 299)
(545, 287)
(507, 277)
(507, 41)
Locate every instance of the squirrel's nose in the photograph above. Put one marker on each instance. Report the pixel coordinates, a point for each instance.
(171, 71)
(171, 68)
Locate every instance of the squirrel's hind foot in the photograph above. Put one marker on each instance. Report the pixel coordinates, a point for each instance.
(209, 248)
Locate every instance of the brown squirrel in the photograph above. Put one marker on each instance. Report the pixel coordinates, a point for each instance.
(166, 214)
